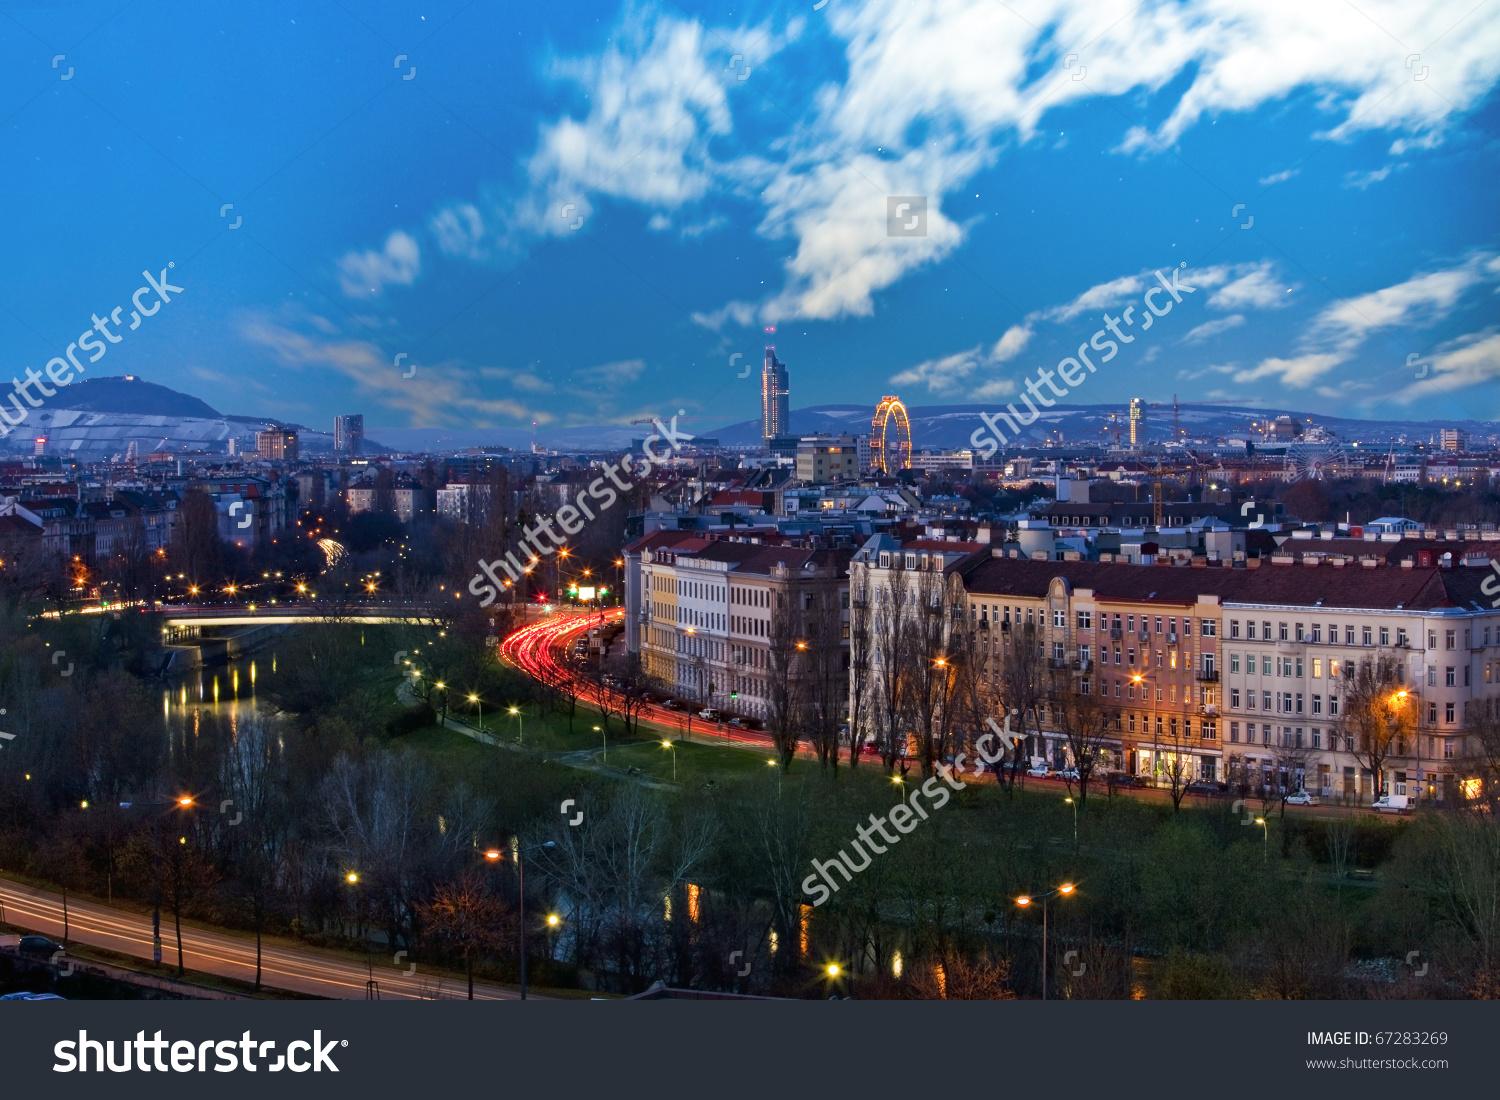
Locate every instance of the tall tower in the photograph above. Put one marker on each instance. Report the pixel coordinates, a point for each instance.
(1137, 422)
(775, 398)
(349, 433)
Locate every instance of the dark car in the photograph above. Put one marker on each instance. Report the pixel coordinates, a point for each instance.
(1206, 789)
(1128, 781)
(38, 945)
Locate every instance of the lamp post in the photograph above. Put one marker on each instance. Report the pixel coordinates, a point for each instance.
(604, 735)
(1141, 681)
(182, 802)
(1265, 835)
(476, 701)
(1070, 802)
(669, 745)
(517, 851)
(520, 731)
(1025, 901)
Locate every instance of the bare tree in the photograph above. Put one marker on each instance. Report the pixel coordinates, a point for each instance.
(1289, 760)
(1378, 713)
(1083, 717)
(892, 632)
(1023, 685)
(467, 915)
(826, 691)
(786, 689)
(861, 656)
(931, 675)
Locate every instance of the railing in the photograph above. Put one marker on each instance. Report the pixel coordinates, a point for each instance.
(1116, 633)
(1207, 675)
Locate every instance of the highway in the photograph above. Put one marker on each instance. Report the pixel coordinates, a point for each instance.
(282, 967)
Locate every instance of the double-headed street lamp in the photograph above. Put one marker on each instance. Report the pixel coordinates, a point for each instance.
(517, 852)
(1026, 900)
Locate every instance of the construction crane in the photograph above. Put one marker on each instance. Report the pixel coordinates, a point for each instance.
(654, 419)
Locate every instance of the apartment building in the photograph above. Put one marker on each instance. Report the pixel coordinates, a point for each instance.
(708, 610)
(1232, 668)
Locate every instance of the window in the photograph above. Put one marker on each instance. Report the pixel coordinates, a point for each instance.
(1333, 668)
(1317, 704)
(1158, 624)
(1172, 625)
(1299, 702)
(1249, 700)
(1432, 712)
(1450, 639)
(1466, 675)
(1385, 635)
(1158, 658)
(1131, 652)
(1234, 628)
(1448, 679)
(1317, 738)
(1317, 668)
(1401, 635)
(1057, 651)
(1250, 630)
(1084, 653)
(1265, 631)
(1281, 633)
(1234, 662)
(1085, 620)
(1060, 619)
(1297, 631)
(1333, 706)
(1432, 639)
(1265, 664)
(1368, 635)
(1234, 732)
(1234, 698)
(1299, 667)
(1432, 675)
(1448, 709)
(1130, 623)
(1447, 748)
(1265, 700)
(1317, 633)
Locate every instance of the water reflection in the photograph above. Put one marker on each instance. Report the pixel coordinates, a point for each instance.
(219, 697)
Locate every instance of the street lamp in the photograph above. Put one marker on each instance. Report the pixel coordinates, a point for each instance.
(669, 745)
(1026, 900)
(476, 701)
(520, 730)
(1265, 835)
(900, 782)
(604, 735)
(1070, 802)
(181, 802)
(517, 851)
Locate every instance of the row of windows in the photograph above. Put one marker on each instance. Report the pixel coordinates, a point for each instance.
(1367, 635)
(1165, 693)
(1165, 624)
(1167, 659)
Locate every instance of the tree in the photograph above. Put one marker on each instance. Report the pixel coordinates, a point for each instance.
(1378, 712)
(1289, 761)
(196, 548)
(1083, 719)
(785, 661)
(891, 649)
(932, 677)
(1023, 685)
(464, 913)
(1176, 736)
(826, 691)
(861, 654)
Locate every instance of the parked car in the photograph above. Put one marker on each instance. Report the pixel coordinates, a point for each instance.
(1068, 773)
(1392, 804)
(737, 723)
(1121, 780)
(1206, 789)
(1037, 771)
(708, 714)
(671, 704)
(1301, 798)
(38, 945)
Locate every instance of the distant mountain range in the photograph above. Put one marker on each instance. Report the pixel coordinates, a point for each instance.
(102, 416)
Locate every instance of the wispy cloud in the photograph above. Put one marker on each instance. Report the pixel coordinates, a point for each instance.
(366, 274)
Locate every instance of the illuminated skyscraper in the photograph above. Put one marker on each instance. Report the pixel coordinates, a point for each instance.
(1137, 422)
(349, 433)
(775, 398)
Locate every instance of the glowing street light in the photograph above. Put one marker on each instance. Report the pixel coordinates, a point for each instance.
(1026, 901)
(669, 745)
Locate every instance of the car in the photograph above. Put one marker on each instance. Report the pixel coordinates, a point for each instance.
(1392, 804)
(1038, 771)
(671, 704)
(647, 697)
(32, 997)
(1301, 798)
(708, 714)
(1068, 773)
(1205, 788)
(737, 723)
(38, 945)
(1134, 781)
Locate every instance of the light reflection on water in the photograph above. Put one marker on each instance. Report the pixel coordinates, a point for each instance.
(220, 695)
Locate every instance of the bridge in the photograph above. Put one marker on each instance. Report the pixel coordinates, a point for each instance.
(195, 617)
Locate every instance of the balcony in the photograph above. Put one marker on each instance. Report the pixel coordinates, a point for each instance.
(1083, 666)
(1171, 637)
(1207, 675)
(1116, 633)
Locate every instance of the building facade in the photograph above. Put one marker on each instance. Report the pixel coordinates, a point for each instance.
(775, 398)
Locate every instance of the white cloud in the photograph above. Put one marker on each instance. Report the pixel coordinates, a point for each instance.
(1278, 177)
(366, 274)
(445, 395)
(1213, 328)
(1364, 180)
(1470, 360)
(460, 231)
(1251, 286)
(1337, 332)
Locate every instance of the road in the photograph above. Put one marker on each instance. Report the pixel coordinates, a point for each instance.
(282, 967)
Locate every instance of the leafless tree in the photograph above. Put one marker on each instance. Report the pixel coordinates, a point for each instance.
(466, 914)
(826, 680)
(786, 684)
(892, 631)
(932, 677)
(1083, 715)
(1023, 686)
(1378, 713)
(861, 656)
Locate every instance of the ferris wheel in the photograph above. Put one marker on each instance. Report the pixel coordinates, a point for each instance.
(1316, 461)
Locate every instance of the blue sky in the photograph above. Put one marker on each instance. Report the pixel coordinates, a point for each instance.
(578, 215)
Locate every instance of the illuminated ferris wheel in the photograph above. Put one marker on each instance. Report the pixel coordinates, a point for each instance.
(890, 437)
